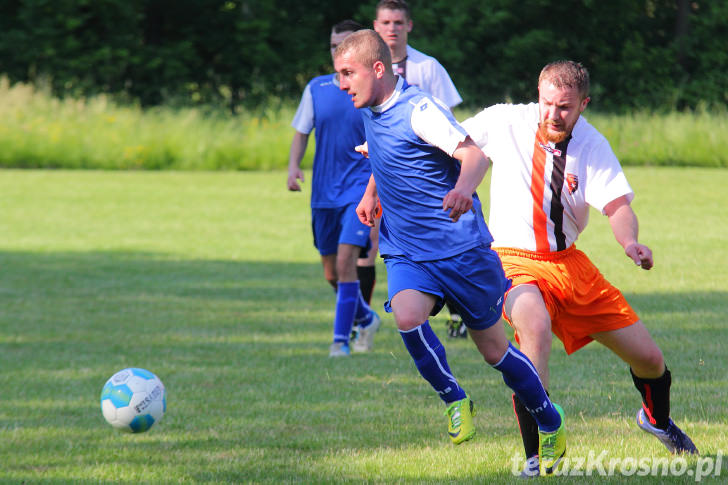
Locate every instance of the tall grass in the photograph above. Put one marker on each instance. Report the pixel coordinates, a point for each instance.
(683, 139)
(39, 131)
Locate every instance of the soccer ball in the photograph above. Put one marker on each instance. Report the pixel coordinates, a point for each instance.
(132, 400)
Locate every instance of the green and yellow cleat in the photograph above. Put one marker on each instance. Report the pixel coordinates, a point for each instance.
(456, 327)
(552, 447)
(460, 420)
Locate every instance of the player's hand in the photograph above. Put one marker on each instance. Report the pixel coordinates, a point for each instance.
(640, 254)
(363, 149)
(368, 209)
(458, 203)
(294, 175)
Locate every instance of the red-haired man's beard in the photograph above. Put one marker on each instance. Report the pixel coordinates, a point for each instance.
(555, 134)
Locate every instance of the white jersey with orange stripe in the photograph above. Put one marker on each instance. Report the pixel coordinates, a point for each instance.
(541, 191)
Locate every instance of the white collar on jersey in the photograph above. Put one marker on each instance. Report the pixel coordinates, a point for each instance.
(579, 126)
(389, 102)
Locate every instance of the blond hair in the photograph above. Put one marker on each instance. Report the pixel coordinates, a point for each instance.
(566, 74)
(367, 48)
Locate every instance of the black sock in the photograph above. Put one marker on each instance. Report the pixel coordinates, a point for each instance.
(528, 427)
(367, 278)
(655, 397)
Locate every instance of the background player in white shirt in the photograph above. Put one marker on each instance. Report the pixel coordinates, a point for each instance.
(393, 23)
(549, 166)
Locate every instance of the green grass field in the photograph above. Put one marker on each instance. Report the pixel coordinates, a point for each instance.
(210, 280)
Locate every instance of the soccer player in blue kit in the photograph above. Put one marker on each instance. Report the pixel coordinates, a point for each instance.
(340, 176)
(393, 23)
(433, 237)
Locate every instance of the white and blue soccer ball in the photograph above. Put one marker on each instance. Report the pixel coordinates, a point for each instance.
(133, 399)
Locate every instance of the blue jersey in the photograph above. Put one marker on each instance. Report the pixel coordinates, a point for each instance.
(412, 178)
(340, 174)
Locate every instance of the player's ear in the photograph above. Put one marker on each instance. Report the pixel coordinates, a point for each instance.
(584, 102)
(379, 69)
(409, 26)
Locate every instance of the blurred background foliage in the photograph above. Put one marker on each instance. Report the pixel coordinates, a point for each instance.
(658, 55)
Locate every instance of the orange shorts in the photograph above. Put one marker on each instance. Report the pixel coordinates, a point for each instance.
(579, 299)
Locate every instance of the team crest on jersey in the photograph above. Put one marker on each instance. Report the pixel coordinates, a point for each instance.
(572, 181)
(549, 149)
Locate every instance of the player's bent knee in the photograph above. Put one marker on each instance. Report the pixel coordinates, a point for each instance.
(408, 317)
(493, 352)
(536, 331)
(649, 363)
(492, 357)
(406, 323)
(492, 349)
(654, 360)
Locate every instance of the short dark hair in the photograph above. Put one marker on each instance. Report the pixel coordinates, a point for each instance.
(393, 5)
(567, 74)
(346, 26)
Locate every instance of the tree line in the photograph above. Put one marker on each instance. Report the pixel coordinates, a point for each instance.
(642, 54)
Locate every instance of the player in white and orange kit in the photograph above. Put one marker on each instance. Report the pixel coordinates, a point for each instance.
(549, 166)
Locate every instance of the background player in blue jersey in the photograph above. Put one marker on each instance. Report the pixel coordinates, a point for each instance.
(339, 178)
(433, 237)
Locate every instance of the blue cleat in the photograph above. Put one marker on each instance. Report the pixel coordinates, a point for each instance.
(674, 439)
(339, 349)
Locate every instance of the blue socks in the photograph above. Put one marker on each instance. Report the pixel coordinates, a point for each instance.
(429, 356)
(517, 370)
(520, 375)
(350, 306)
(364, 314)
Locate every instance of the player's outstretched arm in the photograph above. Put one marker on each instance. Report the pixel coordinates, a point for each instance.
(367, 208)
(626, 230)
(298, 149)
(474, 164)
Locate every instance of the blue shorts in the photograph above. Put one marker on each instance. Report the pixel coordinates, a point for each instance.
(340, 225)
(473, 281)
